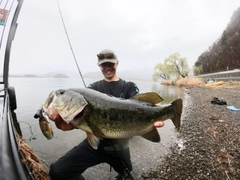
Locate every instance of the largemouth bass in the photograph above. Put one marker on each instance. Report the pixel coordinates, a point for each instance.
(105, 116)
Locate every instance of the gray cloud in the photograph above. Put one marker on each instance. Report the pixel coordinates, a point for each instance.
(141, 32)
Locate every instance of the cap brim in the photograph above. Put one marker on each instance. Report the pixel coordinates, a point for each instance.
(107, 60)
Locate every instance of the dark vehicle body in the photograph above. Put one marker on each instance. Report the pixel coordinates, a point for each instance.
(11, 166)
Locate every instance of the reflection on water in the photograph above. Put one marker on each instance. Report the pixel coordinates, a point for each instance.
(31, 94)
(168, 93)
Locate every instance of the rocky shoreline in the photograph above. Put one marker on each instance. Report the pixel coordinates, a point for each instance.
(210, 135)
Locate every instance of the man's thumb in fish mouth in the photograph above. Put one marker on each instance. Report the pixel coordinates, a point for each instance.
(61, 124)
(158, 124)
(52, 113)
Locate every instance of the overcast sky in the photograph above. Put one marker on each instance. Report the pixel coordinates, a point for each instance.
(142, 33)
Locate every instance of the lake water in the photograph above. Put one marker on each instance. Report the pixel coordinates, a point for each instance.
(31, 94)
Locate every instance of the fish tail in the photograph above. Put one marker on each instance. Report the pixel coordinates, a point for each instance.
(177, 108)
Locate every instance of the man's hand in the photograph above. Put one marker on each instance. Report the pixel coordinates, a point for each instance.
(158, 124)
(59, 122)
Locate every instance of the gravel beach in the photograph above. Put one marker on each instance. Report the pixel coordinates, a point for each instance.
(211, 138)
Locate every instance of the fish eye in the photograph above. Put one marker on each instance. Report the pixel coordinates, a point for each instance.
(62, 91)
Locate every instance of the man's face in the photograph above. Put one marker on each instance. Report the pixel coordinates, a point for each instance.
(108, 69)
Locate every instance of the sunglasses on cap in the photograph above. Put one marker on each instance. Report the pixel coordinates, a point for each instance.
(105, 56)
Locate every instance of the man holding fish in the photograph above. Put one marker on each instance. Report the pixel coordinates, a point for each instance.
(101, 146)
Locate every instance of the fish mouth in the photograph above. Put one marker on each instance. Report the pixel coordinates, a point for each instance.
(64, 105)
(52, 114)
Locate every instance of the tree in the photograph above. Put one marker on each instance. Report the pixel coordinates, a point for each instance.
(178, 65)
(197, 70)
(224, 54)
(160, 71)
(174, 66)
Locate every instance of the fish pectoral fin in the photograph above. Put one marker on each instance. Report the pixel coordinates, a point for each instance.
(93, 140)
(152, 136)
(151, 97)
(177, 105)
(96, 131)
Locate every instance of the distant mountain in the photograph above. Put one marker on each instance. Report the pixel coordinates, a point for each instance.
(47, 75)
(93, 75)
(60, 76)
(70, 74)
(135, 74)
(50, 74)
(22, 75)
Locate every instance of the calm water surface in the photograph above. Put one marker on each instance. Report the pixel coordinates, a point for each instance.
(31, 94)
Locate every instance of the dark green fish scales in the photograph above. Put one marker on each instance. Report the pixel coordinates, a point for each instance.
(104, 116)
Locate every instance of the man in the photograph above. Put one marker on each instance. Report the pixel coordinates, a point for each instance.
(115, 152)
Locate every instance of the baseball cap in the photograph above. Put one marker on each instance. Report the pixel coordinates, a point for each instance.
(106, 55)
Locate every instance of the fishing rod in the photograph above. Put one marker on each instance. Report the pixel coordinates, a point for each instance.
(70, 44)
(123, 163)
(121, 159)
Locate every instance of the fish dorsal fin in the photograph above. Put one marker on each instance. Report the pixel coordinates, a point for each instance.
(93, 140)
(152, 136)
(151, 97)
